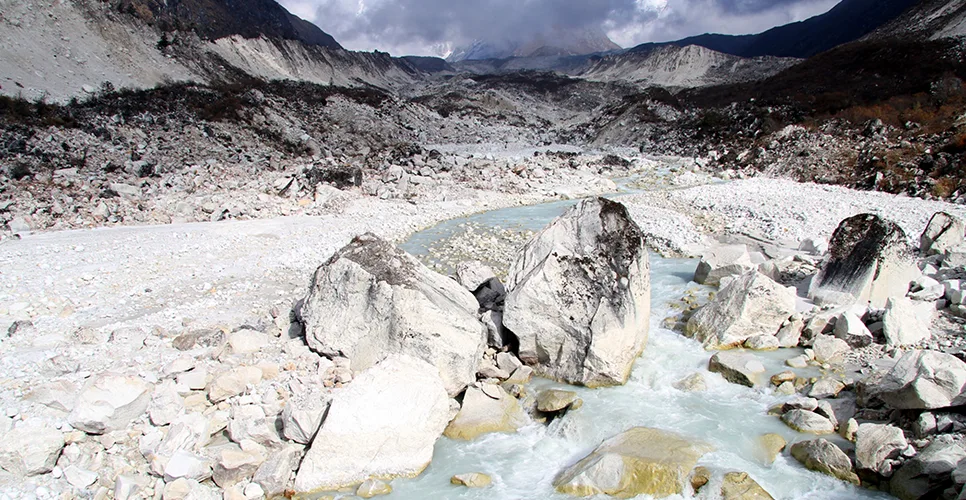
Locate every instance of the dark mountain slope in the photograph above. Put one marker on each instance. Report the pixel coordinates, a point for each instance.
(846, 22)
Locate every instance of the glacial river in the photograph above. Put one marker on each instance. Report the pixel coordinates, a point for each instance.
(728, 416)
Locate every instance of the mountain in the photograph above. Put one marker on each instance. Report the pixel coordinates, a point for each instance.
(847, 21)
(71, 49)
(214, 19)
(929, 19)
(556, 42)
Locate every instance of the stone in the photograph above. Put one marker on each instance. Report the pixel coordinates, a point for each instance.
(822, 456)
(809, 422)
(187, 465)
(876, 443)
(692, 383)
(110, 402)
(800, 403)
(471, 274)
(166, 404)
(254, 491)
(852, 330)
(771, 445)
(902, 324)
(762, 343)
(800, 361)
(829, 349)
(868, 261)
(738, 367)
(129, 487)
(247, 341)
(943, 232)
(740, 486)
(250, 422)
(849, 429)
(579, 296)
(371, 300)
(233, 382)
(301, 418)
(384, 424)
(481, 414)
(723, 261)
(29, 449)
(826, 388)
(521, 375)
(372, 488)
(188, 432)
(507, 361)
(554, 400)
(700, 476)
(925, 425)
(923, 380)
(275, 474)
(234, 465)
(58, 394)
(471, 480)
(780, 378)
(753, 304)
(639, 461)
(790, 334)
(490, 295)
(78, 477)
(931, 468)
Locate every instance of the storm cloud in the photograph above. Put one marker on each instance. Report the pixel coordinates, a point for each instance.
(433, 27)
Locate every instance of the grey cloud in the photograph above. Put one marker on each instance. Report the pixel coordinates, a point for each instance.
(417, 25)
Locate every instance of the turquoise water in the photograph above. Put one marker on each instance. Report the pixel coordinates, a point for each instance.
(728, 416)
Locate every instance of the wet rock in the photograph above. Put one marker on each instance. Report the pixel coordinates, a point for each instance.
(753, 304)
(876, 443)
(700, 476)
(579, 298)
(723, 261)
(902, 324)
(826, 388)
(829, 349)
(471, 480)
(371, 300)
(740, 486)
(809, 422)
(869, 260)
(30, 448)
(555, 400)
(110, 402)
(481, 414)
(942, 233)
(771, 445)
(373, 488)
(692, 383)
(928, 473)
(852, 330)
(384, 424)
(822, 456)
(738, 367)
(640, 461)
(922, 380)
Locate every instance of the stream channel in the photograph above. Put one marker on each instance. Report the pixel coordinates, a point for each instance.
(728, 416)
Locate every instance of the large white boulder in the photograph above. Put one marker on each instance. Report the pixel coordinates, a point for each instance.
(579, 296)
(875, 443)
(923, 380)
(904, 323)
(384, 424)
(109, 403)
(639, 461)
(371, 300)
(942, 233)
(30, 448)
(753, 304)
(485, 410)
(869, 261)
(723, 261)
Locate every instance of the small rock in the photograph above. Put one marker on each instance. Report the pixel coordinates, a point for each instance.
(373, 487)
(471, 480)
(737, 367)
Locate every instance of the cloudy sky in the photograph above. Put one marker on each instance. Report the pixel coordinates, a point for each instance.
(433, 27)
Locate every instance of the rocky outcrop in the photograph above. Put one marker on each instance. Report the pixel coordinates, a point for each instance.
(640, 461)
(922, 380)
(927, 474)
(384, 424)
(869, 261)
(942, 233)
(823, 456)
(484, 410)
(579, 297)
(738, 367)
(371, 300)
(751, 305)
(723, 261)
